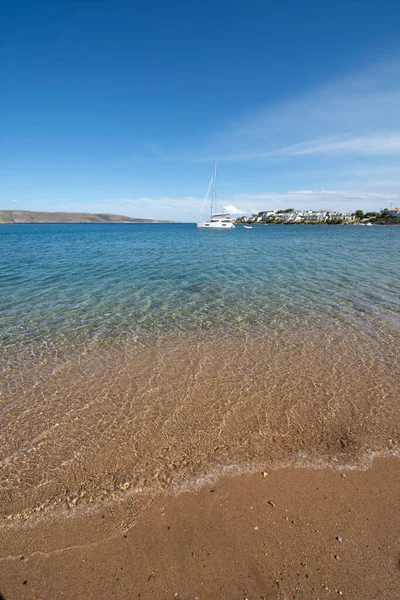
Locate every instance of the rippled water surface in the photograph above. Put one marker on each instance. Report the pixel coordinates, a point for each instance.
(140, 358)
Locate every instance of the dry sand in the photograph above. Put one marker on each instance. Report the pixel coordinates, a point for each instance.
(293, 533)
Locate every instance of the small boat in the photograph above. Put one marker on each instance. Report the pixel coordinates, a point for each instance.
(247, 227)
(368, 225)
(216, 220)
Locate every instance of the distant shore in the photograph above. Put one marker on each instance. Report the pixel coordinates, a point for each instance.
(9, 217)
(326, 224)
(291, 216)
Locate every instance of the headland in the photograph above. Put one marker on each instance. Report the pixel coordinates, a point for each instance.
(27, 216)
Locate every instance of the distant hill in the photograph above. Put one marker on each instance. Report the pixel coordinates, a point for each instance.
(27, 216)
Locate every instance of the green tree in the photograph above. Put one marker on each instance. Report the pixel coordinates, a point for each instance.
(359, 214)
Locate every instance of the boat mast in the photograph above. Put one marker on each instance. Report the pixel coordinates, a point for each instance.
(213, 194)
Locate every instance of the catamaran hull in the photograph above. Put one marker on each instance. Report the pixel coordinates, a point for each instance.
(211, 225)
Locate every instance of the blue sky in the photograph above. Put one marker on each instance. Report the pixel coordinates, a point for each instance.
(124, 106)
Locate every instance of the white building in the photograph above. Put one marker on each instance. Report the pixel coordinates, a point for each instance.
(394, 212)
(266, 215)
(339, 216)
(291, 217)
(305, 216)
(348, 218)
(315, 216)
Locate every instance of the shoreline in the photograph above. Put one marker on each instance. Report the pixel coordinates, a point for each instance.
(119, 419)
(71, 506)
(144, 222)
(291, 533)
(324, 224)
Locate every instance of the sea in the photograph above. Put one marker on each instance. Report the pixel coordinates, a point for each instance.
(145, 359)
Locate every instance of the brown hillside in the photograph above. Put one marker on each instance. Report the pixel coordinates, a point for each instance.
(27, 216)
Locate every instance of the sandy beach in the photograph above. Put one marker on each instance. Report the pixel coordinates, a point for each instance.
(286, 534)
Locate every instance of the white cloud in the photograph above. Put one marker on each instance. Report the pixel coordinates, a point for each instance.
(14, 201)
(233, 210)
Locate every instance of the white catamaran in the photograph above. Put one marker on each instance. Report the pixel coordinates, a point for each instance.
(217, 220)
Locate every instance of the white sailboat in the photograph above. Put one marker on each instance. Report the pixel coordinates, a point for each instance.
(216, 220)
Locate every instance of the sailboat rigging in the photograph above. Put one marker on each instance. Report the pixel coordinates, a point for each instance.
(216, 220)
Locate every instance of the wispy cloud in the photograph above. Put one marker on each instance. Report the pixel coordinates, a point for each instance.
(14, 201)
(347, 200)
(161, 202)
(184, 208)
(355, 115)
(372, 144)
(335, 147)
(304, 195)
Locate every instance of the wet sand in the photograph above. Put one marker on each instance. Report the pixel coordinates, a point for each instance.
(135, 471)
(293, 533)
(116, 422)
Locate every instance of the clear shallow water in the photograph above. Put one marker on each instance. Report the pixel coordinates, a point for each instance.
(96, 281)
(140, 358)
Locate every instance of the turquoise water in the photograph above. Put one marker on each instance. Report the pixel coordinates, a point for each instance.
(98, 281)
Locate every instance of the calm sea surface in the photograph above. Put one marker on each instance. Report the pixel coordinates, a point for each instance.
(99, 281)
(140, 358)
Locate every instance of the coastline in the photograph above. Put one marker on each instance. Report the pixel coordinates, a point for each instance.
(23, 217)
(324, 224)
(137, 222)
(289, 533)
